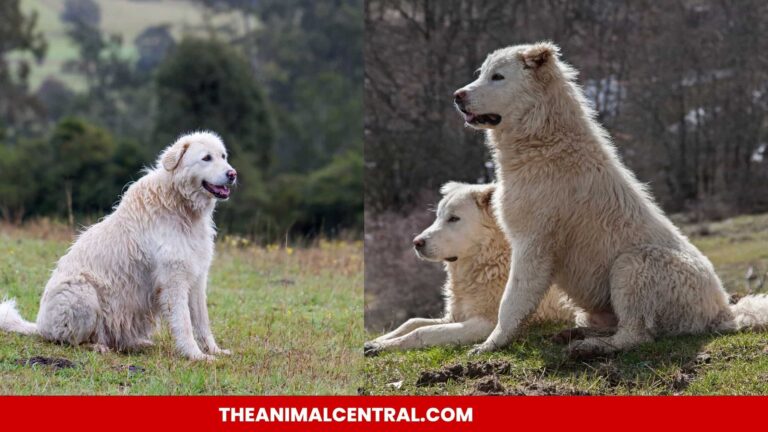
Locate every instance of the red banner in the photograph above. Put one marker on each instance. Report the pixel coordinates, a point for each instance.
(364, 413)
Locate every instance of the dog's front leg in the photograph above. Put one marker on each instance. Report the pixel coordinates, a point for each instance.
(200, 321)
(372, 348)
(174, 297)
(456, 333)
(411, 325)
(530, 278)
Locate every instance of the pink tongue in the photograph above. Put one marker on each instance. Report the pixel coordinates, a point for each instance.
(221, 190)
(468, 117)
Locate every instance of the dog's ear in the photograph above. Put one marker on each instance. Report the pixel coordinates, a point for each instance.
(539, 55)
(449, 187)
(484, 196)
(172, 156)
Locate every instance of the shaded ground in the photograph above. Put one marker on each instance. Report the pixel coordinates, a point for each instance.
(534, 365)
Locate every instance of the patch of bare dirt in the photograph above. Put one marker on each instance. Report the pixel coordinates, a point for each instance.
(688, 372)
(458, 372)
(487, 381)
(611, 374)
(543, 388)
(131, 369)
(284, 282)
(53, 362)
(489, 386)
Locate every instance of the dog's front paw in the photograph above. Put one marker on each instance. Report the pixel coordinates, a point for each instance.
(197, 357)
(145, 343)
(220, 351)
(100, 348)
(485, 347)
(371, 349)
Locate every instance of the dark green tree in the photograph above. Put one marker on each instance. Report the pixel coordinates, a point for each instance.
(20, 36)
(81, 11)
(23, 168)
(205, 84)
(153, 45)
(83, 172)
(310, 54)
(333, 195)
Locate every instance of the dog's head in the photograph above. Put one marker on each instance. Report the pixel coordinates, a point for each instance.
(510, 82)
(197, 164)
(463, 219)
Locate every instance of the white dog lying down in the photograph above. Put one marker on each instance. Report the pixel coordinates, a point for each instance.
(466, 236)
(579, 218)
(149, 258)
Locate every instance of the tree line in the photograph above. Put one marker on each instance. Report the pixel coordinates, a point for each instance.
(285, 96)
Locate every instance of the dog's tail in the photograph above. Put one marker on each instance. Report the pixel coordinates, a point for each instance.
(11, 321)
(751, 312)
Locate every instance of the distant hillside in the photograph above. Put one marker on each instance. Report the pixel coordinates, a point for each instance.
(127, 18)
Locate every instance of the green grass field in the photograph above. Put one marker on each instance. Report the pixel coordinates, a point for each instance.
(292, 318)
(707, 364)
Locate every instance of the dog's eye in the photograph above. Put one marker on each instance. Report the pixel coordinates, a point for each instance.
(223, 156)
(497, 77)
(453, 219)
(207, 158)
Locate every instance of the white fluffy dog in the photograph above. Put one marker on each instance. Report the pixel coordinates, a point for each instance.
(467, 238)
(577, 217)
(149, 258)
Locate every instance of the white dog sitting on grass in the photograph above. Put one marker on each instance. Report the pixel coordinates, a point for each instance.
(577, 217)
(148, 259)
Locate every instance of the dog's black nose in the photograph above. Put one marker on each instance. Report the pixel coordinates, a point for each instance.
(459, 97)
(419, 243)
(232, 175)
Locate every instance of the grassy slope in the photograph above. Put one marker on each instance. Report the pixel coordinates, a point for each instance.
(710, 364)
(291, 317)
(123, 17)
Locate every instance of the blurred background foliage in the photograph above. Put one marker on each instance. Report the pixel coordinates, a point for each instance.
(91, 90)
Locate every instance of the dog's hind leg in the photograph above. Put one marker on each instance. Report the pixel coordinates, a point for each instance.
(624, 338)
(69, 313)
(579, 333)
(588, 324)
(637, 282)
(656, 290)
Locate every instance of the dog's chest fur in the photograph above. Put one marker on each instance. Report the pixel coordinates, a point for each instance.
(475, 285)
(545, 196)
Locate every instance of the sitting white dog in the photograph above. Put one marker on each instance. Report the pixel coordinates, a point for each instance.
(579, 218)
(149, 258)
(476, 253)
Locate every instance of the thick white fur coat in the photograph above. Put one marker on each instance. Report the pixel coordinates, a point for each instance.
(577, 217)
(148, 259)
